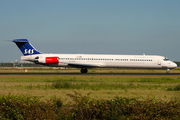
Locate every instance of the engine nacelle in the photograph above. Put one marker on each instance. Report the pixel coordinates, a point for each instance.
(48, 60)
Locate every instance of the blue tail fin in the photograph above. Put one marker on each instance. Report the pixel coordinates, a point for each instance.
(25, 47)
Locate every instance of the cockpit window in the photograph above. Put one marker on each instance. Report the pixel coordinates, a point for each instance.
(166, 59)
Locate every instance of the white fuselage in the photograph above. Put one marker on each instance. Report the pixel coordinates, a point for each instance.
(103, 61)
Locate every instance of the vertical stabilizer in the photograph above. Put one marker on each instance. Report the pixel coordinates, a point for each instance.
(25, 47)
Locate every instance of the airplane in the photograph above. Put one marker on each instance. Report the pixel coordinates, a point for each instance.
(85, 61)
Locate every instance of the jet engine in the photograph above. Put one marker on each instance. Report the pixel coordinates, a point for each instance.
(48, 60)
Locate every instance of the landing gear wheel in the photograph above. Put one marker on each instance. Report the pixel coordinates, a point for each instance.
(84, 70)
(167, 71)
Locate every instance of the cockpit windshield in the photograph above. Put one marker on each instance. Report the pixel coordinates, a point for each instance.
(166, 59)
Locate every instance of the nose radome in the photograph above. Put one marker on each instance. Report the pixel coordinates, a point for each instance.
(174, 65)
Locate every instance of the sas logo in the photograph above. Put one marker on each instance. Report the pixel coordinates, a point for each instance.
(29, 51)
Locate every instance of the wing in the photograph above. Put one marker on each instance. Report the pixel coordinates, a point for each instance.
(84, 65)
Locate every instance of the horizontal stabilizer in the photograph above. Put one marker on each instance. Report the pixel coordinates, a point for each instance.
(20, 40)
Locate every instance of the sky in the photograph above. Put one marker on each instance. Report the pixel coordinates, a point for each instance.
(131, 27)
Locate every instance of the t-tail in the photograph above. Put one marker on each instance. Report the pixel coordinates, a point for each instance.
(25, 47)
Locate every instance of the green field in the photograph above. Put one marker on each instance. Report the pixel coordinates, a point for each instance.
(100, 86)
(89, 96)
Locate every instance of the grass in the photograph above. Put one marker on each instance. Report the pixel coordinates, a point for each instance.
(91, 86)
(68, 96)
(85, 108)
(100, 86)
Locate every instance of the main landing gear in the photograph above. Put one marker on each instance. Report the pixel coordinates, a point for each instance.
(84, 70)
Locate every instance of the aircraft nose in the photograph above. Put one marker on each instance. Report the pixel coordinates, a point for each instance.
(174, 65)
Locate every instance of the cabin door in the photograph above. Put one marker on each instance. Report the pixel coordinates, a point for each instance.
(159, 62)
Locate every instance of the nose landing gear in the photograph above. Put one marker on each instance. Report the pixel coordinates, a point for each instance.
(84, 70)
(168, 70)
